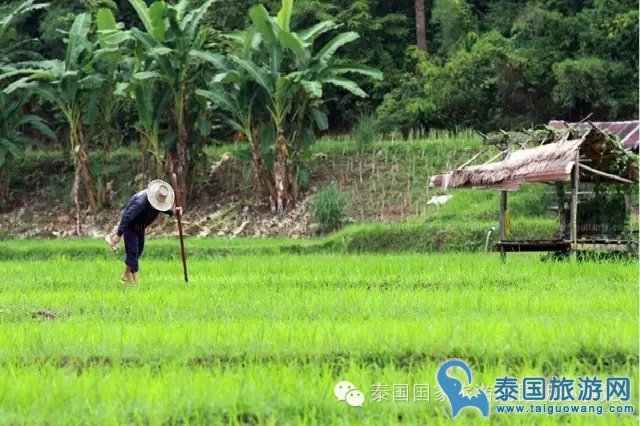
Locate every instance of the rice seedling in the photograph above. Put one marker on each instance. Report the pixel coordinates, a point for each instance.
(263, 338)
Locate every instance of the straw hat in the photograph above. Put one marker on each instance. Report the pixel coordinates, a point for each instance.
(160, 195)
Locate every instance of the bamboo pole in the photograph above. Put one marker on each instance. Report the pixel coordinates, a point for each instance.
(179, 217)
(575, 183)
(503, 223)
(472, 159)
(607, 175)
(494, 158)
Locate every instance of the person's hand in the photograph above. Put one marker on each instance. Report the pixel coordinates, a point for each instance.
(179, 211)
(115, 240)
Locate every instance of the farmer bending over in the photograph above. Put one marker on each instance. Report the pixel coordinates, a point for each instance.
(140, 212)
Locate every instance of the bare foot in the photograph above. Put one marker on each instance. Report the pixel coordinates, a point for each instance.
(127, 276)
(128, 283)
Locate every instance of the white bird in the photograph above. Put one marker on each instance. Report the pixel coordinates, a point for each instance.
(439, 200)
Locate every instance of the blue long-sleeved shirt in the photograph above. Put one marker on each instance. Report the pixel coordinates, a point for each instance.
(139, 211)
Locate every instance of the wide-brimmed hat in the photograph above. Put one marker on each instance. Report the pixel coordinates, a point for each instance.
(160, 195)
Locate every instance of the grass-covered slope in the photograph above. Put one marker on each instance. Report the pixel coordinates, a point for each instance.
(385, 184)
(410, 237)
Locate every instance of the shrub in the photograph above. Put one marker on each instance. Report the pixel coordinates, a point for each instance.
(365, 131)
(585, 85)
(329, 208)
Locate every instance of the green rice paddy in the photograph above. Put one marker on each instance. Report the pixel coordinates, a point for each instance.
(263, 338)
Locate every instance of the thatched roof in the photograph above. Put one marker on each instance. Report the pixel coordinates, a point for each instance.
(552, 162)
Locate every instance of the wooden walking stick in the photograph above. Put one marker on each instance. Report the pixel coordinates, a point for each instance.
(179, 217)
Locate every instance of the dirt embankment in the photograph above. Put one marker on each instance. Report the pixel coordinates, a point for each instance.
(220, 209)
(381, 184)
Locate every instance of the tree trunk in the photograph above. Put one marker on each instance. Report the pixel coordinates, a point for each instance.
(144, 155)
(169, 162)
(293, 183)
(81, 160)
(82, 165)
(150, 150)
(182, 157)
(421, 25)
(76, 198)
(103, 192)
(157, 156)
(280, 173)
(261, 177)
(4, 181)
(294, 178)
(294, 165)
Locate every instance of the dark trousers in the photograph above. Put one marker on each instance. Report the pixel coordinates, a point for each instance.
(133, 246)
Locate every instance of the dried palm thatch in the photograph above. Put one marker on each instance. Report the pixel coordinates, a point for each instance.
(553, 162)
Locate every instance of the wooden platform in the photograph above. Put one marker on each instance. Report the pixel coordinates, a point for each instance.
(564, 245)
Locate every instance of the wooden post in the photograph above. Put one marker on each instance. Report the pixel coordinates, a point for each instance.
(575, 183)
(503, 217)
(503, 223)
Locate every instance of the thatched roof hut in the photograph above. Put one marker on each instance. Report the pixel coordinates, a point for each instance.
(599, 154)
(577, 154)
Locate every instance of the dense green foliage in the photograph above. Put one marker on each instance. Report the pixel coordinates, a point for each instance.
(271, 90)
(520, 53)
(138, 66)
(15, 121)
(263, 339)
(513, 64)
(265, 82)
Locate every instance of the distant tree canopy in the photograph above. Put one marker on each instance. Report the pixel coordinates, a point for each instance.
(511, 64)
(488, 64)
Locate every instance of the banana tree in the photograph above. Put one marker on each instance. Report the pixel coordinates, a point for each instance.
(11, 48)
(234, 93)
(15, 126)
(114, 68)
(128, 82)
(171, 36)
(17, 131)
(70, 85)
(285, 77)
(152, 106)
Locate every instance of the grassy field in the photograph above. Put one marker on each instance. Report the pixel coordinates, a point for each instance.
(262, 338)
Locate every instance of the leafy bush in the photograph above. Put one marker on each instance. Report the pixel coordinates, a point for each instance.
(471, 88)
(365, 131)
(415, 102)
(585, 86)
(454, 19)
(329, 208)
